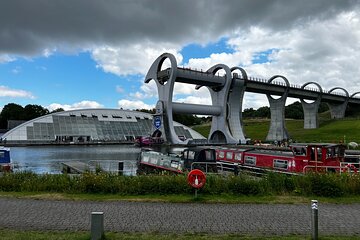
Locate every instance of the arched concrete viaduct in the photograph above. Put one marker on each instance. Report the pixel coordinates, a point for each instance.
(277, 129)
(311, 109)
(337, 110)
(227, 94)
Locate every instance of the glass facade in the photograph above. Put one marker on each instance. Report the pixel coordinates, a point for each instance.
(81, 128)
(91, 125)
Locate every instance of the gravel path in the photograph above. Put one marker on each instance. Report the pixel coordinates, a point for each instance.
(259, 219)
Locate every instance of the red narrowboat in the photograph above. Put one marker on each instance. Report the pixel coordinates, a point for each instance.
(299, 158)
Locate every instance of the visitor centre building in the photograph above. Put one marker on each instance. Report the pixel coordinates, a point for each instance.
(89, 126)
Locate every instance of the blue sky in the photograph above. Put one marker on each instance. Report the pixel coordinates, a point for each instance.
(100, 59)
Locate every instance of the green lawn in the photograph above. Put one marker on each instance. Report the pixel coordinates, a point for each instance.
(328, 131)
(61, 235)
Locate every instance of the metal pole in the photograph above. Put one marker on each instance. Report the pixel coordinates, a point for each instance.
(314, 220)
(97, 225)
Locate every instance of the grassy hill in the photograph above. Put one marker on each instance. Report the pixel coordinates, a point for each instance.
(347, 129)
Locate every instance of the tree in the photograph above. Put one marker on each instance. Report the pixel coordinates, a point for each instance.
(57, 110)
(11, 111)
(263, 112)
(294, 111)
(249, 113)
(32, 111)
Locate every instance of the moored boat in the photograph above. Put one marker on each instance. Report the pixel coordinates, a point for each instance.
(148, 141)
(203, 158)
(5, 161)
(300, 158)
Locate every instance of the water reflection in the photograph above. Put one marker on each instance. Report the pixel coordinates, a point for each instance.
(47, 159)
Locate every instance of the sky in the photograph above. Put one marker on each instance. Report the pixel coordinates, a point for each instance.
(95, 54)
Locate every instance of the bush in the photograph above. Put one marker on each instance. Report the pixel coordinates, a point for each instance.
(325, 185)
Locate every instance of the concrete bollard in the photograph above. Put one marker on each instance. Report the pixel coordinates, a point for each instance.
(314, 220)
(97, 225)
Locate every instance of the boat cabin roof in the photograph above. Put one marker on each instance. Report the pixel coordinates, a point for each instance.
(315, 145)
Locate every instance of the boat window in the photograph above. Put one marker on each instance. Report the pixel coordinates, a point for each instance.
(312, 154)
(250, 160)
(341, 151)
(221, 154)
(319, 154)
(208, 155)
(238, 156)
(191, 155)
(229, 155)
(330, 152)
(174, 164)
(299, 151)
(280, 164)
(2, 154)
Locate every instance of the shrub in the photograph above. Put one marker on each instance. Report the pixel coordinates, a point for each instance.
(326, 185)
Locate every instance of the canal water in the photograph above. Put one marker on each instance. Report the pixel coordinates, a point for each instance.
(48, 159)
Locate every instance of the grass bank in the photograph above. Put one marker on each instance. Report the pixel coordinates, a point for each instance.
(273, 188)
(328, 131)
(61, 235)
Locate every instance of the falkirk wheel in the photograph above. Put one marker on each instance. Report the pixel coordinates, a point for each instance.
(227, 94)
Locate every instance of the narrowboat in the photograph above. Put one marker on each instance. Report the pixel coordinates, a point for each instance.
(203, 158)
(5, 161)
(300, 158)
(148, 141)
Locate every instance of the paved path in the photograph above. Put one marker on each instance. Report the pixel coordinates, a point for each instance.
(261, 219)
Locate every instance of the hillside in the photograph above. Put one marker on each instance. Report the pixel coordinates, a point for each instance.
(347, 129)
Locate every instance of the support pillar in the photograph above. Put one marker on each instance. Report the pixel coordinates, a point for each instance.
(337, 111)
(220, 130)
(311, 109)
(235, 101)
(164, 117)
(277, 131)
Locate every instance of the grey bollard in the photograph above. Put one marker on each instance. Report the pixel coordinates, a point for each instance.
(314, 220)
(97, 225)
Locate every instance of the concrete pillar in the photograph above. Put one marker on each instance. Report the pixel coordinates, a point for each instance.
(311, 109)
(220, 130)
(337, 111)
(235, 101)
(310, 114)
(277, 129)
(97, 225)
(165, 92)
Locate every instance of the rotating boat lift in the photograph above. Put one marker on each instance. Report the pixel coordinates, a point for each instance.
(227, 94)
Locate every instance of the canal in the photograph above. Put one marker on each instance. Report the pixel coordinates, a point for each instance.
(48, 159)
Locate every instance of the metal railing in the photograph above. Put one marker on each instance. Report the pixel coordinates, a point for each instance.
(112, 166)
(345, 167)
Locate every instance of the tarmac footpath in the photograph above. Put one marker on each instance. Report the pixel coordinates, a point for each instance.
(122, 216)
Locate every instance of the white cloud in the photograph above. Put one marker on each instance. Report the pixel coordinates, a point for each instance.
(147, 90)
(79, 105)
(120, 89)
(16, 70)
(137, 104)
(326, 52)
(15, 93)
(133, 58)
(4, 58)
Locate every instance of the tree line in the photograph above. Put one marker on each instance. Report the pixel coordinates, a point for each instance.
(13, 111)
(292, 111)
